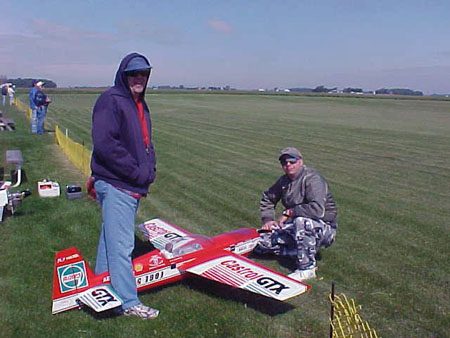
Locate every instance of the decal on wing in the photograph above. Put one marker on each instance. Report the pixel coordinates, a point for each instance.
(160, 232)
(242, 273)
(100, 298)
(72, 277)
(156, 276)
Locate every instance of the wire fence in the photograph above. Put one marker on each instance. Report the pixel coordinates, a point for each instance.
(75, 152)
(22, 106)
(346, 321)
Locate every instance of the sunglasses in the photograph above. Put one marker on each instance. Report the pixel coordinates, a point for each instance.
(135, 73)
(288, 160)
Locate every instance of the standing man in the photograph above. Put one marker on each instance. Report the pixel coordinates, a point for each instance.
(123, 167)
(41, 101)
(11, 92)
(308, 204)
(34, 89)
(4, 93)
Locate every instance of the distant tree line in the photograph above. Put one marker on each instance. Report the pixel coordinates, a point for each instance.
(323, 89)
(399, 91)
(27, 83)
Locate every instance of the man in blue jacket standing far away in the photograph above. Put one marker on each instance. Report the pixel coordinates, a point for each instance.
(123, 167)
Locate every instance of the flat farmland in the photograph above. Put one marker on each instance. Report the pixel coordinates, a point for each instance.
(388, 165)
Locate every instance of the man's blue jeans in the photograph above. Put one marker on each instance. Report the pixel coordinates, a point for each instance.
(34, 121)
(116, 241)
(41, 112)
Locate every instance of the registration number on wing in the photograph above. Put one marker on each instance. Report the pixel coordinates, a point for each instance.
(149, 278)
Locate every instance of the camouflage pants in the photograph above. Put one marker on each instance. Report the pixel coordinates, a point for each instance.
(310, 235)
(299, 240)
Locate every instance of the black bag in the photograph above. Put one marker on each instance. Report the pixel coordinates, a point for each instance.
(279, 242)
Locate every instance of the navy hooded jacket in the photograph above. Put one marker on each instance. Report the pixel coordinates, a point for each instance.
(119, 155)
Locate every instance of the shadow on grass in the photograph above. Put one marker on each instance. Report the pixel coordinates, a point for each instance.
(110, 314)
(257, 302)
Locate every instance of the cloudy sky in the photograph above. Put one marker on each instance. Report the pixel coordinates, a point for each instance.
(368, 44)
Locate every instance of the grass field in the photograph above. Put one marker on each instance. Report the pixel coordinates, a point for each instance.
(387, 162)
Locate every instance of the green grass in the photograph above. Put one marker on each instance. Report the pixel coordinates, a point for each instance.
(386, 161)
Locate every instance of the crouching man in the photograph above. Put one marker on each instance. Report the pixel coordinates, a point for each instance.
(309, 220)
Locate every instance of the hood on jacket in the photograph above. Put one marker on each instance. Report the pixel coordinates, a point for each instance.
(120, 82)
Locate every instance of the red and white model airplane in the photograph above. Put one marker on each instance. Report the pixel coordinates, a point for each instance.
(178, 253)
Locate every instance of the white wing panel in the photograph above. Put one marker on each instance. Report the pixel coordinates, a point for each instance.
(100, 298)
(242, 273)
(160, 232)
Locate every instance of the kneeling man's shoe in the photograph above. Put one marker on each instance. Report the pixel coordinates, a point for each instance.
(301, 275)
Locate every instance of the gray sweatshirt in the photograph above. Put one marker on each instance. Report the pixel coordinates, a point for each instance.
(308, 196)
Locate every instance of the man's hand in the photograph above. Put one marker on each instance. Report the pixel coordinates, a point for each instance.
(270, 225)
(283, 219)
(90, 188)
(287, 214)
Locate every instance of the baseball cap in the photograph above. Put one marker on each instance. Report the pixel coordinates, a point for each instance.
(291, 152)
(137, 63)
(40, 83)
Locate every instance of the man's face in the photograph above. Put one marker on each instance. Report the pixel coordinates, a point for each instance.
(137, 80)
(291, 166)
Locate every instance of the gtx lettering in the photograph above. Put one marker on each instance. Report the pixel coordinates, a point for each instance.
(272, 285)
(172, 235)
(241, 270)
(103, 296)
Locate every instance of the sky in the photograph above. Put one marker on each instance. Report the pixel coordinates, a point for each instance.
(255, 44)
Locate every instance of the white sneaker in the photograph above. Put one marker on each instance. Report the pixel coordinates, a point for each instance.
(301, 275)
(141, 311)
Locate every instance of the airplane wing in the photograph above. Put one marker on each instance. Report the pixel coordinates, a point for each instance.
(160, 232)
(237, 271)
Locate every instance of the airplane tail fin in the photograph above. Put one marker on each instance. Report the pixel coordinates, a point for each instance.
(74, 284)
(71, 276)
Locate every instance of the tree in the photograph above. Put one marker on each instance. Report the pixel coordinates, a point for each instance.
(352, 90)
(322, 89)
(27, 83)
(382, 91)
